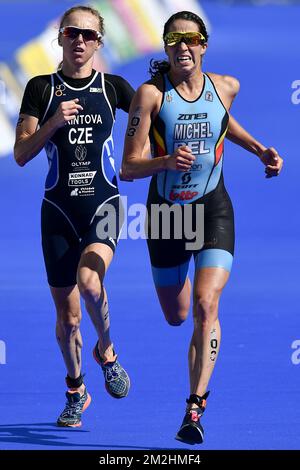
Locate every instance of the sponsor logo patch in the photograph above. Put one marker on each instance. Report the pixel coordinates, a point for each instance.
(82, 178)
(183, 195)
(95, 90)
(209, 96)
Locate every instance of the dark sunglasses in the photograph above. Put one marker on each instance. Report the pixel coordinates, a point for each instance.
(192, 38)
(72, 32)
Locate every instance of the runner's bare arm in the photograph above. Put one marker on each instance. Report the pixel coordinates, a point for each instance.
(237, 134)
(30, 140)
(268, 156)
(134, 164)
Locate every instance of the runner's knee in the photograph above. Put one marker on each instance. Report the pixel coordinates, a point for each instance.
(206, 308)
(89, 286)
(68, 321)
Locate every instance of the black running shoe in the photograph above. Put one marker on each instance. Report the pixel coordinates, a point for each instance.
(191, 432)
(75, 406)
(117, 382)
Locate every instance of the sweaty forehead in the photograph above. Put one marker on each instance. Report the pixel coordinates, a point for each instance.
(183, 26)
(82, 19)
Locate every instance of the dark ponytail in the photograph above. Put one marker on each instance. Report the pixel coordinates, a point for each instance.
(158, 67)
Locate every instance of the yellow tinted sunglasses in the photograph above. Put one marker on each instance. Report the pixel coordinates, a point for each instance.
(192, 38)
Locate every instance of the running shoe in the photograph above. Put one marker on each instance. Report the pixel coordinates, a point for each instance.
(75, 406)
(191, 431)
(117, 382)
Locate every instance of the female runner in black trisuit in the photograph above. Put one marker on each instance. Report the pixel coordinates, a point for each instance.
(71, 114)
